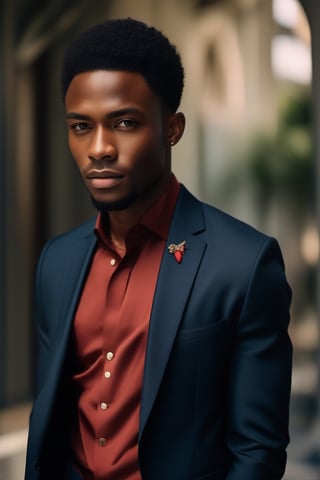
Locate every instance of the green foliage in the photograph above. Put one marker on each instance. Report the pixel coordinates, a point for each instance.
(283, 160)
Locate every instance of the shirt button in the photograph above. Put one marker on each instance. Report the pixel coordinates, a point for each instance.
(102, 442)
(103, 406)
(113, 262)
(109, 356)
(107, 374)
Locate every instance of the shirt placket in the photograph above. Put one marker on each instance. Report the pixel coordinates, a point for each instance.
(106, 403)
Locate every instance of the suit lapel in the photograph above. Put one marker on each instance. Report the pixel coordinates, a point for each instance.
(78, 263)
(173, 288)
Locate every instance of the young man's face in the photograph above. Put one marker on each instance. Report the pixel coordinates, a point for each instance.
(119, 137)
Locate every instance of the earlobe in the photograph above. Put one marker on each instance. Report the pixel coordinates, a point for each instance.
(176, 127)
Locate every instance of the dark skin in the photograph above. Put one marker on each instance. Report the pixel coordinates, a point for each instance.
(120, 136)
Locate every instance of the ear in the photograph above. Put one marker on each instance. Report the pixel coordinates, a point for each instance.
(176, 124)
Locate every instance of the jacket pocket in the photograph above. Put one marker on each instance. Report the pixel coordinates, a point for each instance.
(195, 334)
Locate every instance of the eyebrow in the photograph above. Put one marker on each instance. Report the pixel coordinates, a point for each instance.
(111, 115)
(77, 116)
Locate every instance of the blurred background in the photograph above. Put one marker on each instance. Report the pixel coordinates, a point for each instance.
(251, 148)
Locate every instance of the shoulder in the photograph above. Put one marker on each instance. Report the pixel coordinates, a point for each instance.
(67, 247)
(71, 238)
(219, 225)
(225, 227)
(231, 244)
(241, 244)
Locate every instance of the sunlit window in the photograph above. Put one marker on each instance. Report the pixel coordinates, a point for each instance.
(286, 12)
(291, 56)
(291, 59)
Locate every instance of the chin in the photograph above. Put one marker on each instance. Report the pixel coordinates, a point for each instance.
(117, 205)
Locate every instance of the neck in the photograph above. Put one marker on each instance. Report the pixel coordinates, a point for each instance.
(118, 230)
(121, 221)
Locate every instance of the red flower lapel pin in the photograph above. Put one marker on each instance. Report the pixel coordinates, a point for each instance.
(177, 250)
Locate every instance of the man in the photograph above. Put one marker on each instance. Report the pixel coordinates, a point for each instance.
(163, 351)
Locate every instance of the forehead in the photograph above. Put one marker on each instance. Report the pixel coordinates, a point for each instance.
(112, 87)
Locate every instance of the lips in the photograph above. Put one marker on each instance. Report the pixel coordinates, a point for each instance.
(103, 179)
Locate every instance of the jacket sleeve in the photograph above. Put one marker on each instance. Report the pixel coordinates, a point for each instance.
(260, 374)
(41, 321)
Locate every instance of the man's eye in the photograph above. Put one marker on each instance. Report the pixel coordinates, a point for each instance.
(126, 123)
(80, 127)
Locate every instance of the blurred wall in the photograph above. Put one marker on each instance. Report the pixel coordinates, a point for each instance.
(231, 92)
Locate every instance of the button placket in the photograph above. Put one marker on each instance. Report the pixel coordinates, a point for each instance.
(108, 356)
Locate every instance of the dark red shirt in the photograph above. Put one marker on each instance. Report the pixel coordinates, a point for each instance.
(110, 336)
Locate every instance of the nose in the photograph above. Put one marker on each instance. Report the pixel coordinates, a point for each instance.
(102, 145)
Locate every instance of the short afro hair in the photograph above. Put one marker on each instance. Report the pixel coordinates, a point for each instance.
(128, 45)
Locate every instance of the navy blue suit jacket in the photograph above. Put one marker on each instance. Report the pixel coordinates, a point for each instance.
(217, 374)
